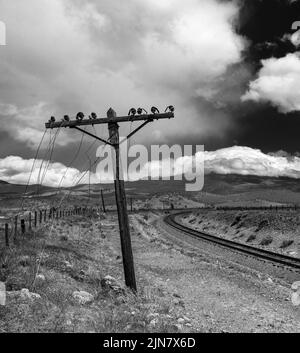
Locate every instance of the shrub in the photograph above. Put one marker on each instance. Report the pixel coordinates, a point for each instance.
(64, 238)
(251, 238)
(236, 221)
(286, 243)
(261, 225)
(266, 241)
(240, 225)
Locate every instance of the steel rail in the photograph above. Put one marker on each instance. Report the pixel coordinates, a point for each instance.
(243, 248)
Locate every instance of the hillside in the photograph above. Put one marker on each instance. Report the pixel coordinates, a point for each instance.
(217, 189)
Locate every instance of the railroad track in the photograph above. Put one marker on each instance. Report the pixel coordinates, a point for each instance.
(265, 255)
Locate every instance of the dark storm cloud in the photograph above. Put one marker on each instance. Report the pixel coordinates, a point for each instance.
(271, 122)
(90, 55)
(265, 128)
(265, 23)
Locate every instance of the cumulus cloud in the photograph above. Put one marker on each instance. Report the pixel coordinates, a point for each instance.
(294, 38)
(233, 160)
(86, 55)
(17, 170)
(278, 82)
(249, 161)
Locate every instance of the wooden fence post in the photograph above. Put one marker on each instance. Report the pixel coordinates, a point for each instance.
(103, 203)
(16, 226)
(41, 216)
(6, 236)
(35, 219)
(29, 221)
(23, 226)
(45, 216)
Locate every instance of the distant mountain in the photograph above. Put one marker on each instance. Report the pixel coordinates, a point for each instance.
(233, 183)
(7, 189)
(231, 186)
(3, 182)
(244, 188)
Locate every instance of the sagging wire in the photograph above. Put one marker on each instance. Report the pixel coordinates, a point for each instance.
(32, 168)
(67, 195)
(91, 145)
(50, 158)
(44, 160)
(50, 149)
(51, 142)
(69, 165)
(52, 227)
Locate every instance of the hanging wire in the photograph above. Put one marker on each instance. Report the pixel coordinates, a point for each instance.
(35, 158)
(50, 158)
(46, 161)
(67, 196)
(51, 141)
(91, 145)
(69, 165)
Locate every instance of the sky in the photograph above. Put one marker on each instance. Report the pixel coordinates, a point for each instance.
(231, 68)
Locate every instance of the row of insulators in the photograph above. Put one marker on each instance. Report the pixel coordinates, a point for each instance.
(79, 116)
(132, 112)
(154, 110)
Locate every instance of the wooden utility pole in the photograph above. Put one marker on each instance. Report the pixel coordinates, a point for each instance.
(128, 264)
(112, 120)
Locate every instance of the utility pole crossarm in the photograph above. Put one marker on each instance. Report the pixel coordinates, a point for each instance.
(120, 119)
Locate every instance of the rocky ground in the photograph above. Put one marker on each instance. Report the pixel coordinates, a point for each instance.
(68, 277)
(277, 231)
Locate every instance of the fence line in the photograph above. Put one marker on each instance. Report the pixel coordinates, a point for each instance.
(23, 223)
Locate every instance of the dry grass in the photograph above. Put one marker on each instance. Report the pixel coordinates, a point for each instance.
(75, 256)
